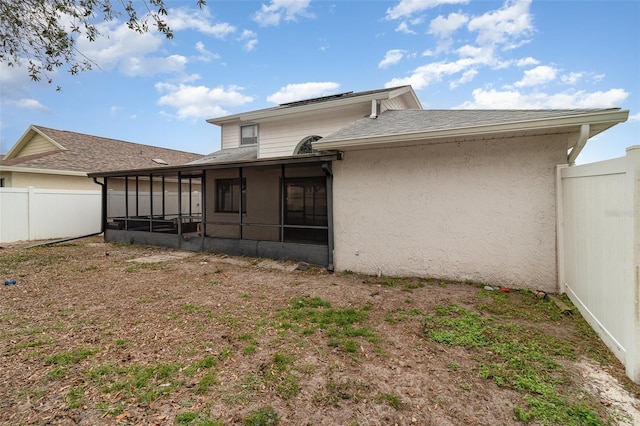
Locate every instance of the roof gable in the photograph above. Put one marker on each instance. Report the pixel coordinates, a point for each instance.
(33, 142)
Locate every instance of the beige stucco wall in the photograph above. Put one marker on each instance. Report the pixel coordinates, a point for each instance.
(48, 181)
(481, 211)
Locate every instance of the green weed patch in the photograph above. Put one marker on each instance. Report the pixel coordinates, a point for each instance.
(523, 359)
(341, 326)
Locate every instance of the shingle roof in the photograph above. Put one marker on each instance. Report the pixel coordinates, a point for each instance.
(229, 154)
(392, 122)
(324, 101)
(88, 153)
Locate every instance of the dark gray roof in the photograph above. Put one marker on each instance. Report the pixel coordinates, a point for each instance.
(88, 153)
(393, 122)
(338, 96)
(229, 154)
(324, 99)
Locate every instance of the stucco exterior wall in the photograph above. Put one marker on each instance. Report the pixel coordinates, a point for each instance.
(481, 211)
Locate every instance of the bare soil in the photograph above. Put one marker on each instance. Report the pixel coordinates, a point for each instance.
(85, 320)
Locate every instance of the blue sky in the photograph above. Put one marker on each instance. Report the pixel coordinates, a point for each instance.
(237, 56)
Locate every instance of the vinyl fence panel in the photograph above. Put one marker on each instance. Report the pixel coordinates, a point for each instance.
(40, 214)
(599, 250)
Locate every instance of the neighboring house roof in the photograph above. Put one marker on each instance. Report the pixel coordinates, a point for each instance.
(397, 126)
(230, 154)
(324, 102)
(42, 149)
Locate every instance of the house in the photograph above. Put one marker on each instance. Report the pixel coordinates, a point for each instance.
(44, 188)
(58, 159)
(371, 182)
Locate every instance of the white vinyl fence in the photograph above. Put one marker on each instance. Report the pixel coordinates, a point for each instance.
(40, 214)
(599, 250)
(116, 203)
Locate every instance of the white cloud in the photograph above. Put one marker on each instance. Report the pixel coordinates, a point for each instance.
(205, 55)
(199, 20)
(634, 117)
(407, 8)
(250, 40)
(118, 43)
(296, 92)
(504, 25)
(277, 10)
(536, 76)
(403, 27)
(444, 27)
(392, 57)
(513, 99)
(30, 104)
(435, 71)
(467, 76)
(572, 77)
(480, 55)
(200, 101)
(528, 61)
(130, 52)
(148, 66)
(496, 31)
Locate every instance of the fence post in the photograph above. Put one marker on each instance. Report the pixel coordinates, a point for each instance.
(633, 175)
(560, 261)
(31, 202)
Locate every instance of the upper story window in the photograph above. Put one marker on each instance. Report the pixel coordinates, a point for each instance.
(249, 134)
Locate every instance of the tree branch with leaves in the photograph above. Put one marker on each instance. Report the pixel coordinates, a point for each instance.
(42, 34)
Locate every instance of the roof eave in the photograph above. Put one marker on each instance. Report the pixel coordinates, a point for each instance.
(597, 118)
(42, 171)
(307, 158)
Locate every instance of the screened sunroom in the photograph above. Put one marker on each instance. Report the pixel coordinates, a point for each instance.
(278, 208)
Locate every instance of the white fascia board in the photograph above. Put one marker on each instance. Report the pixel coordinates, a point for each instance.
(612, 117)
(283, 111)
(401, 91)
(25, 138)
(41, 171)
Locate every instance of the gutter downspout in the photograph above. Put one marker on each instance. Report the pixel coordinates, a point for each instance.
(580, 143)
(103, 220)
(326, 168)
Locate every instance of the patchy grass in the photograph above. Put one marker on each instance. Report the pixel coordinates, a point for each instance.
(199, 341)
(69, 358)
(144, 383)
(516, 357)
(191, 418)
(341, 326)
(151, 266)
(265, 416)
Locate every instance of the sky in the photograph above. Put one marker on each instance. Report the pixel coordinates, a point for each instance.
(237, 56)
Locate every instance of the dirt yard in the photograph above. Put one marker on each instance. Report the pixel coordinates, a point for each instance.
(103, 334)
